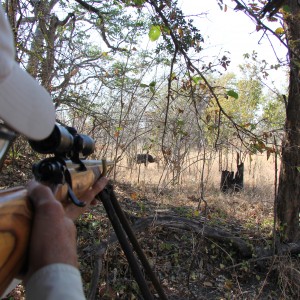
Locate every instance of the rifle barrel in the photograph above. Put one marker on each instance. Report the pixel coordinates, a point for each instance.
(88, 163)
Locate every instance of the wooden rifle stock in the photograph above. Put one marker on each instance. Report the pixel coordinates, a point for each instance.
(16, 218)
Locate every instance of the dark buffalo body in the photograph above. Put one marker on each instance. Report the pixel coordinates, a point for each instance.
(144, 158)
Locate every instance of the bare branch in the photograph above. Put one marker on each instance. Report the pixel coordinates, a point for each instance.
(95, 10)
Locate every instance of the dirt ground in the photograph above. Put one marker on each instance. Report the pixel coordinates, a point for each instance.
(188, 263)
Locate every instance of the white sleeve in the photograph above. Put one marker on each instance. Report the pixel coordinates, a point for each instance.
(55, 282)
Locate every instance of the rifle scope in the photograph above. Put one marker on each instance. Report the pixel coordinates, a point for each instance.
(65, 141)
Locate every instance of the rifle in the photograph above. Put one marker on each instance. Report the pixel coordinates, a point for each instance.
(68, 173)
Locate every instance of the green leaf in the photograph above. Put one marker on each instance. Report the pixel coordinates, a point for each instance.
(286, 8)
(166, 29)
(279, 31)
(196, 79)
(143, 85)
(233, 94)
(173, 76)
(154, 33)
(196, 213)
(139, 2)
(180, 122)
(152, 89)
(298, 169)
(153, 83)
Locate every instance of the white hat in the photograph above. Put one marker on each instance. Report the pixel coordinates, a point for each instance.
(25, 105)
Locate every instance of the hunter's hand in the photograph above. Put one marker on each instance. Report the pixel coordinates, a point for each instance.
(53, 235)
(73, 211)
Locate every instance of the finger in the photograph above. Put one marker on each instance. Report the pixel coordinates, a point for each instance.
(39, 193)
(43, 199)
(99, 185)
(94, 202)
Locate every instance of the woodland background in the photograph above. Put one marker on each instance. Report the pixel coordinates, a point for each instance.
(132, 76)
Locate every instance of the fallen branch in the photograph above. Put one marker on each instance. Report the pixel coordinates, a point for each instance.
(196, 226)
(244, 248)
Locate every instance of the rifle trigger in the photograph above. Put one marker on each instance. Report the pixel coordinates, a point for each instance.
(73, 198)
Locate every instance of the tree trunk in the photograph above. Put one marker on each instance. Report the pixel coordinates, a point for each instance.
(288, 197)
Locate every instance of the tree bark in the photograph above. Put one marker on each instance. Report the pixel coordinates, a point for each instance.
(288, 197)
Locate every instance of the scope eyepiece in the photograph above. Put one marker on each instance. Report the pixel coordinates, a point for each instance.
(66, 142)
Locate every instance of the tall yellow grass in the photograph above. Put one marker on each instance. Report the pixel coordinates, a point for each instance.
(259, 172)
(254, 202)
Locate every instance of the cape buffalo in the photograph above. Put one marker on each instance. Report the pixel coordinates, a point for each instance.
(144, 159)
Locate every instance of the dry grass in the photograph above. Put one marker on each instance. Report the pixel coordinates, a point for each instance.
(253, 208)
(254, 202)
(289, 277)
(248, 213)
